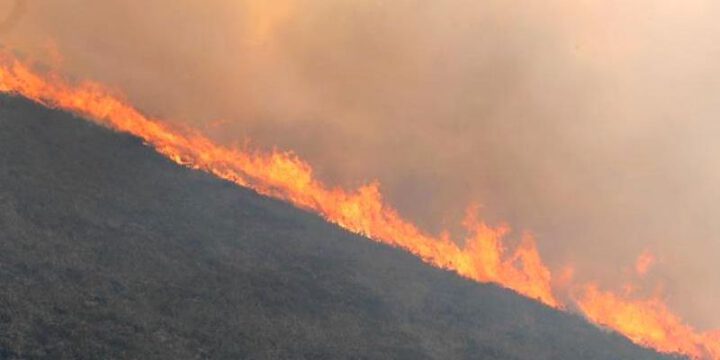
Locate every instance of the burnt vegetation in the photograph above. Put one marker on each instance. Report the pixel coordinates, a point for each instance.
(108, 250)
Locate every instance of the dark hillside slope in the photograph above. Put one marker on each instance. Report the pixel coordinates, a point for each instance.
(108, 250)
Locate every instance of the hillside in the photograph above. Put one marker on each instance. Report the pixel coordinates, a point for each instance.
(108, 250)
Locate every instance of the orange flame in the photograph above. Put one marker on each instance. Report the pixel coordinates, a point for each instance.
(283, 175)
(482, 257)
(648, 322)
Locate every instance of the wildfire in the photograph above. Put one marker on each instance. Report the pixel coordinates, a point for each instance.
(483, 255)
(283, 175)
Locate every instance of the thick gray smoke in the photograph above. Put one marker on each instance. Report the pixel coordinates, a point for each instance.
(592, 124)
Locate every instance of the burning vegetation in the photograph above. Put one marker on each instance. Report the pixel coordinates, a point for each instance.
(482, 255)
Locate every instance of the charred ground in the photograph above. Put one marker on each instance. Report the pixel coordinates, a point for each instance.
(108, 250)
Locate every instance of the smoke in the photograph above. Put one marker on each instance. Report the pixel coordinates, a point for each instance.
(590, 123)
(14, 13)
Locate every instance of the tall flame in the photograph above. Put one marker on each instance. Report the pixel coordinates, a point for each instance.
(482, 257)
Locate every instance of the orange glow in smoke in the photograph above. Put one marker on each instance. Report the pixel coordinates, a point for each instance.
(644, 263)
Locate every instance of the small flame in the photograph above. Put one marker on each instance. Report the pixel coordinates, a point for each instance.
(483, 255)
(644, 263)
(566, 277)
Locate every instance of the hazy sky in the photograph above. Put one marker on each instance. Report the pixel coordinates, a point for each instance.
(592, 124)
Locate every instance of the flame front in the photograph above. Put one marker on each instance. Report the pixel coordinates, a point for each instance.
(647, 322)
(483, 257)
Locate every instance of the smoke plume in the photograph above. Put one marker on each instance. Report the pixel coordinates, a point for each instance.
(589, 123)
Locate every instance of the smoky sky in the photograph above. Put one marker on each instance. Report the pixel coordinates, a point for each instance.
(591, 124)
(12, 15)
